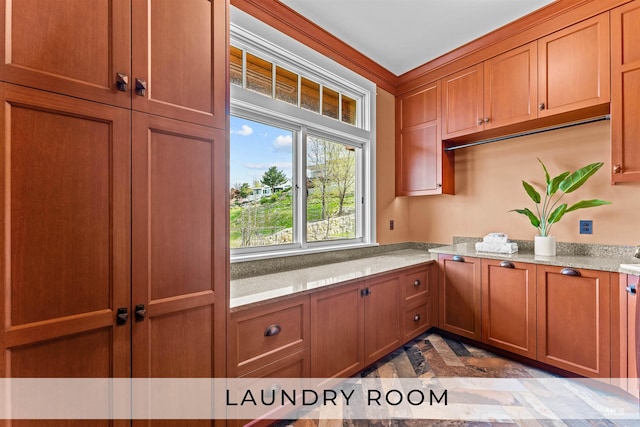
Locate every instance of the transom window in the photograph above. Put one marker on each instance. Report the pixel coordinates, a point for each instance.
(301, 148)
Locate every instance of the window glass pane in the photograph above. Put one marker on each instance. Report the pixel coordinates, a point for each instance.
(260, 175)
(259, 75)
(331, 185)
(348, 110)
(286, 86)
(310, 96)
(235, 66)
(329, 103)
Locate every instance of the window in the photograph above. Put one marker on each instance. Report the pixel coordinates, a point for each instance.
(301, 148)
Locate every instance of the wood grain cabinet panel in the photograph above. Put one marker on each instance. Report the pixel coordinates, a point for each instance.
(633, 330)
(625, 86)
(463, 102)
(67, 47)
(420, 304)
(177, 53)
(574, 320)
(459, 295)
(511, 87)
(574, 67)
(422, 167)
(337, 331)
(509, 306)
(382, 317)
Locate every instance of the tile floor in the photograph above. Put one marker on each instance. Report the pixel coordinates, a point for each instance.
(431, 355)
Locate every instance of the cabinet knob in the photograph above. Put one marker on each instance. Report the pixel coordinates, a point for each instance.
(507, 264)
(141, 87)
(487, 119)
(631, 289)
(365, 292)
(122, 315)
(272, 330)
(140, 312)
(416, 318)
(541, 106)
(122, 82)
(617, 168)
(570, 272)
(457, 258)
(417, 282)
(480, 121)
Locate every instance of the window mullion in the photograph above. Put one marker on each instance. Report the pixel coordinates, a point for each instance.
(302, 191)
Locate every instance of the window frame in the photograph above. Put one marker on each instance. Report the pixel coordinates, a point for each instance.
(287, 53)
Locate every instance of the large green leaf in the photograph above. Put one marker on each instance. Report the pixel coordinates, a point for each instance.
(532, 217)
(588, 204)
(557, 213)
(546, 173)
(579, 177)
(555, 183)
(535, 196)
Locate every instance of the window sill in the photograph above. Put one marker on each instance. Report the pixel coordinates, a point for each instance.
(297, 251)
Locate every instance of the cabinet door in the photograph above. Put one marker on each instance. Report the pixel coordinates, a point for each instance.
(174, 49)
(573, 67)
(65, 237)
(459, 295)
(381, 317)
(176, 263)
(420, 166)
(66, 47)
(625, 84)
(509, 306)
(462, 103)
(574, 320)
(337, 332)
(511, 87)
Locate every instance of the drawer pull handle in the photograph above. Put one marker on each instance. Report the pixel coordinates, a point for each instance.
(272, 330)
(631, 289)
(457, 258)
(122, 81)
(416, 318)
(141, 312)
(570, 272)
(507, 264)
(417, 282)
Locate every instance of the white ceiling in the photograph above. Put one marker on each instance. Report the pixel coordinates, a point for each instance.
(403, 34)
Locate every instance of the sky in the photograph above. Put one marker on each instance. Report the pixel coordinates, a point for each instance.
(255, 147)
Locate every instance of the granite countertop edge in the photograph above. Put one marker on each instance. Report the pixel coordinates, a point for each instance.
(591, 262)
(259, 290)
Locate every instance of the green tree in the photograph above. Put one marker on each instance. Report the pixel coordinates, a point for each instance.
(274, 177)
(244, 190)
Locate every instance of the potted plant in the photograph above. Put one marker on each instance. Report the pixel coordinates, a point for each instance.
(548, 211)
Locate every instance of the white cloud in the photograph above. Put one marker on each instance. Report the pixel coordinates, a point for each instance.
(282, 142)
(245, 131)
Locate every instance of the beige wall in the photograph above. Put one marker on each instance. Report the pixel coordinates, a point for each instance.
(388, 206)
(488, 185)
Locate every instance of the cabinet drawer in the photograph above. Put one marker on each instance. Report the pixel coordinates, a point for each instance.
(263, 335)
(416, 320)
(416, 285)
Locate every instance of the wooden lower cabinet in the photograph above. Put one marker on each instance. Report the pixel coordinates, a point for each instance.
(459, 295)
(420, 306)
(625, 330)
(633, 336)
(573, 320)
(381, 317)
(337, 331)
(509, 306)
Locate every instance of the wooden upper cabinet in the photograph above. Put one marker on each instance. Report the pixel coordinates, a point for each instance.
(177, 54)
(574, 320)
(463, 102)
(67, 47)
(625, 86)
(511, 87)
(421, 166)
(574, 67)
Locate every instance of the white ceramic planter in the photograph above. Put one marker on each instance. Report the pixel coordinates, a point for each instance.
(545, 246)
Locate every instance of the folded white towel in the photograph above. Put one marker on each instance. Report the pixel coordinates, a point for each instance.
(496, 237)
(497, 247)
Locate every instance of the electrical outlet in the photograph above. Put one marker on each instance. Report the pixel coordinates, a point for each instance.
(391, 225)
(586, 226)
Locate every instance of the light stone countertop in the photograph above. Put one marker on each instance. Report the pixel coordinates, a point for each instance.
(611, 264)
(252, 291)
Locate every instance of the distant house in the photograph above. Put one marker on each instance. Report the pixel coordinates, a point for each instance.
(258, 193)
